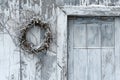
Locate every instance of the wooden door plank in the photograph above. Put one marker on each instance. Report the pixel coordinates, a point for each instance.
(108, 65)
(107, 35)
(9, 59)
(79, 35)
(94, 64)
(93, 35)
(117, 48)
(70, 50)
(80, 64)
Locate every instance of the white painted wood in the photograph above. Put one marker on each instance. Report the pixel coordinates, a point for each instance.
(94, 64)
(9, 53)
(9, 59)
(95, 20)
(30, 67)
(108, 65)
(62, 45)
(80, 64)
(41, 66)
(93, 35)
(70, 49)
(92, 2)
(92, 10)
(117, 48)
(91, 63)
(79, 35)
(30, 63)
(107, 35)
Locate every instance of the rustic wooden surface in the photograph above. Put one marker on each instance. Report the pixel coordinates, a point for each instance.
(89, 2)
(16, 64)
(91, 54)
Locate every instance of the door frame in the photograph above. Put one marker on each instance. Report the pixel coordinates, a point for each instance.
(62, 14)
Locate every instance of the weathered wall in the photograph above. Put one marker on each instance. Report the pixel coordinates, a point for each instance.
(16, 64)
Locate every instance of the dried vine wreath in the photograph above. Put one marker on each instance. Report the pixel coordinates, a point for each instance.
(27, 46)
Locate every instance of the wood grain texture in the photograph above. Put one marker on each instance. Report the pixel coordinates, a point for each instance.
(30, 64)
(108, 68)
(79, 35)
(62, 45)
(94, 64)
(9, 53)
(92, 2)
(9, 59)
(80, 64)
(92, 10)
(70, 49)
(117, 48)
(16, 64)
(93, 35)
(41, 66)
(107, 35)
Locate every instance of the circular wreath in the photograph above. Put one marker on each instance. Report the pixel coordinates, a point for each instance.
(27, 46)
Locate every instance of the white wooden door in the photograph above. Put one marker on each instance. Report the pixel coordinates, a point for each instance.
(93, 48)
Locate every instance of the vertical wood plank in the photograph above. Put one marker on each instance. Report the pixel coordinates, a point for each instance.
(9, 59)
(41, 66)
(30, 64)
(80, 64)
(107, 35)
(94, 64)
(79, 35)
(108, 65)
(93, 34)
(117, 48)
(9, 53)
(70, 50)
(62, 45)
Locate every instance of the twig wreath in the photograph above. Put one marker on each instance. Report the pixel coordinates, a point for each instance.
(27, 46)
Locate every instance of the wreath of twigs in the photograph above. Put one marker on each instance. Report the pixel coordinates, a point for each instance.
(28, 46)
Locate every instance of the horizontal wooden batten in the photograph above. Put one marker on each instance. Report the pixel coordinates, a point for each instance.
(91, 10)
(88, 2)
